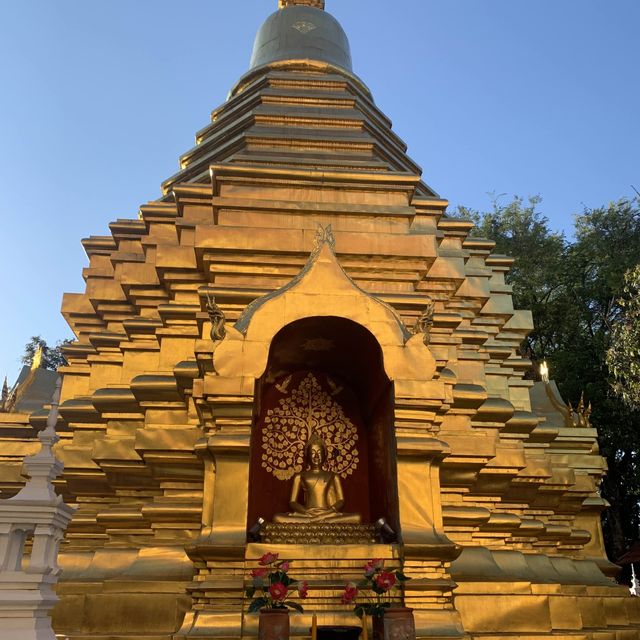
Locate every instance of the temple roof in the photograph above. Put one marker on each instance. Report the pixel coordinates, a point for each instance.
(33, 389)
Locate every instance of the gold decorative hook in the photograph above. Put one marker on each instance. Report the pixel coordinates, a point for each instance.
(425, 322)
(217, 317)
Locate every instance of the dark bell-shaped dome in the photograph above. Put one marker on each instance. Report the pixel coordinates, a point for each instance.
(299, 32)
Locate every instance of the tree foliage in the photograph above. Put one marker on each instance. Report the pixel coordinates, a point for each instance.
(52, 357)
(576, 291)
(623, 356)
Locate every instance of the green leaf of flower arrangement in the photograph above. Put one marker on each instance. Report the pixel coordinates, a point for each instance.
(278, 576)
(296, 606)
(257, 604)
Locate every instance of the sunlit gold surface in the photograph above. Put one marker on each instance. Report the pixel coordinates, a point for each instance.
(498, 509)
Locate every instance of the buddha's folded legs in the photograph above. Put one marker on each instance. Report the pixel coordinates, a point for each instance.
(328, 516)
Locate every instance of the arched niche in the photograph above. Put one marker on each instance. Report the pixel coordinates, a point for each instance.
(338, 364)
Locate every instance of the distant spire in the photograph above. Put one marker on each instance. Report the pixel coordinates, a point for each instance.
(5, 394)
(318, 4)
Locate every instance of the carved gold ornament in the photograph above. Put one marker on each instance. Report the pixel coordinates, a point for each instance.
(318, 4)
(304, 26)
(307, 409)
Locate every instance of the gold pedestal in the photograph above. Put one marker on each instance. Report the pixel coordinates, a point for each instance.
(318, 533)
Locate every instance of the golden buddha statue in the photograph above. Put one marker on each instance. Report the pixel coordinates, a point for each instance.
(322, 491)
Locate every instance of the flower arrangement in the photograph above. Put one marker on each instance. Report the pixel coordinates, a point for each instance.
(273, 585)
(375, 580)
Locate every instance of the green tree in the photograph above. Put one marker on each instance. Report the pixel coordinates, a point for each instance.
(52, 357)
(607, 246)
(574, 290)
(623, 356)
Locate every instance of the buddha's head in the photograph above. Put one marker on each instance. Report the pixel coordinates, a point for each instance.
(315, 452)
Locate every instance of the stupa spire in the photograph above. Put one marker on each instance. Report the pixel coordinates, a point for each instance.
(318, 4)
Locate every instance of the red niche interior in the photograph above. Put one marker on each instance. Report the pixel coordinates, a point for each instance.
(324, 375)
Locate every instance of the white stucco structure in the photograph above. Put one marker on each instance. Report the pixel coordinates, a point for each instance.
(36, 513)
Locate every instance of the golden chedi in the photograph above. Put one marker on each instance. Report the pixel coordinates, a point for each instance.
(299, 276)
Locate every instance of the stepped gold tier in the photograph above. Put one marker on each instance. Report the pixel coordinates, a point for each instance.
(298, 278)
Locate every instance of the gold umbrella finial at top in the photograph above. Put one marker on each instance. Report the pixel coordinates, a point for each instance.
(317, 4)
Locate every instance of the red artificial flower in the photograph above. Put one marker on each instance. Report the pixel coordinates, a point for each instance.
(372, 566)
(350, 593)
(261, 572)
(386, 580)
(268, 558)
(303, 589)
(284, 566)
(278, 591)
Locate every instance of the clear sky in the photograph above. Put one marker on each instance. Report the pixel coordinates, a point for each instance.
(99, 98)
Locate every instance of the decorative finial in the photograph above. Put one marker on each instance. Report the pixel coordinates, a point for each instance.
(8, 397)
(580, 416)
(324, 235)
(584, 412)
(218, 319)
(317, 4)
(37, 359)
(544, 372)
(425, 322)
(43, 467)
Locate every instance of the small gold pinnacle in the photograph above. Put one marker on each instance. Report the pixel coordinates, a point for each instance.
(318, 4)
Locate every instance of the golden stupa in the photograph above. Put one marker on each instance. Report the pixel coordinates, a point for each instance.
(296, 278)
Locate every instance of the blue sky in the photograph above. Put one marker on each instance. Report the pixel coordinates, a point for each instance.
(100, 98)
